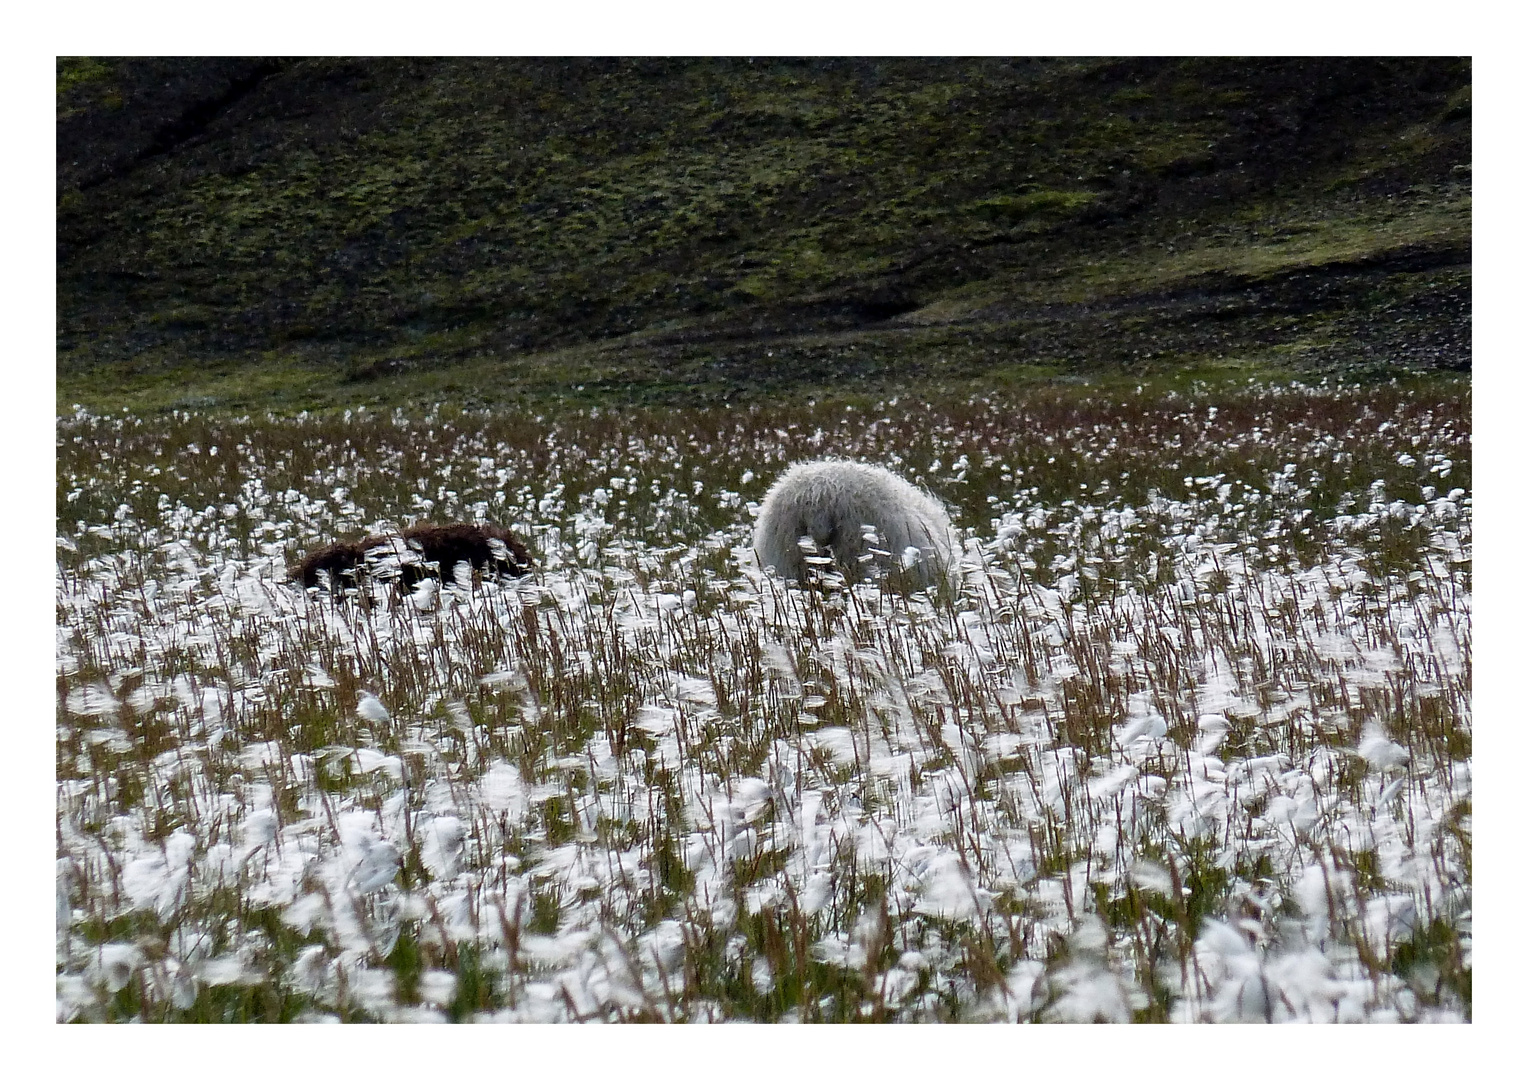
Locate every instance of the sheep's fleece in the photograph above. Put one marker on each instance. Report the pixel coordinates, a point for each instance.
(832, 502)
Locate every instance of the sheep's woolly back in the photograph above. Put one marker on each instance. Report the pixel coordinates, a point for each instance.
(831, 501)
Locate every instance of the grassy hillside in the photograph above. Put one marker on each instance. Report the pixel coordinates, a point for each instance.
(309, 232)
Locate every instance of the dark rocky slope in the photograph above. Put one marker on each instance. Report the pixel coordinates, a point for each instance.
(310, 231)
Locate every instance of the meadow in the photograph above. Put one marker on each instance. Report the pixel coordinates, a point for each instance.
(1189, 742)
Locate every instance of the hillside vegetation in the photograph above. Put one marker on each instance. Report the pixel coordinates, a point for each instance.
(303, 232)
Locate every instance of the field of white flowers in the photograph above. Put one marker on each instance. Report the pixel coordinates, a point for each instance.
(1190, 742)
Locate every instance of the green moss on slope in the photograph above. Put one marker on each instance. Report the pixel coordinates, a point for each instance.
(337, 225)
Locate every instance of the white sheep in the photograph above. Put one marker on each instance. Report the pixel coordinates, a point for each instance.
(836, 505)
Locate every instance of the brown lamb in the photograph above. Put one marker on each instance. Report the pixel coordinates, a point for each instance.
(440, 548)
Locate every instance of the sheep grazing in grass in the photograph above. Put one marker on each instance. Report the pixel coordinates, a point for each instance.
(331, 563)
(858, 516)
(421, 551)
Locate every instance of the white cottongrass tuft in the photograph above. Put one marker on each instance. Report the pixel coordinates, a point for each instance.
(370, 707)
(378, 867)
(1379, 751)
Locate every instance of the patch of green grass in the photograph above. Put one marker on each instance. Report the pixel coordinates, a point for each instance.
(78, 71)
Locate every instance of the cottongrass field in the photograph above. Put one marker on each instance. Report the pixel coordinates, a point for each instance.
(1190, 741)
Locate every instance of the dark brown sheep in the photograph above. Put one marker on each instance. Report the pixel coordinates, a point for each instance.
(335, 560)
(438, 549)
